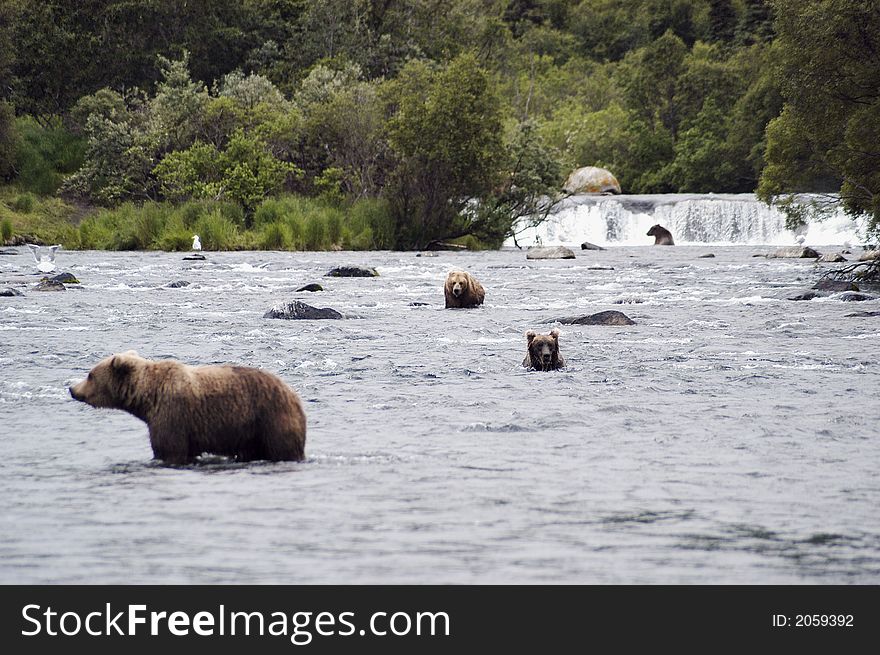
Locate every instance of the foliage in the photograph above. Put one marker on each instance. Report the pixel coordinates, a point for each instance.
(395, 124)
(445, 138)
(827, 136)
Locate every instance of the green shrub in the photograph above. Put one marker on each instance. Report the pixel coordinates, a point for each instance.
(45, 154)
(371, 219)
(23, 203)
(216, 231)
(315, 232)
(5, 230)
(175, 236)
(275, 236)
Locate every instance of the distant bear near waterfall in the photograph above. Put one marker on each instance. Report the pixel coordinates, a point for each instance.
(662, 236)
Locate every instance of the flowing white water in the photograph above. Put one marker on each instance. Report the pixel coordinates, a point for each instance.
(716, 219)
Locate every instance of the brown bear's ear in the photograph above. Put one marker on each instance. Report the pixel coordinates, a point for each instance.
(530, 336)
(120, 365)
(554, 334)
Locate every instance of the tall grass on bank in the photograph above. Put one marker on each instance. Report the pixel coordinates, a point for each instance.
(284, 223)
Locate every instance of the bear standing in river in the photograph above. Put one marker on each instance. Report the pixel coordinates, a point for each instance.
(240, 412)
(543, 353)
(662, 236)
(463, 290)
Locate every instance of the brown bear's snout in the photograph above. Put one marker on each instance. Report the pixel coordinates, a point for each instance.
(75, 394)
(456, 289)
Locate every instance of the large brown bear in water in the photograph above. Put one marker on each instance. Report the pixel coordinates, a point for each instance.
(244, 413)
(463, 290)
(543, 352)
(662, 236)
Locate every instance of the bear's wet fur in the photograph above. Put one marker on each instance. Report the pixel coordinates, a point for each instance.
(662, 236)
(240, 412)
(543, 351)
(463, 290)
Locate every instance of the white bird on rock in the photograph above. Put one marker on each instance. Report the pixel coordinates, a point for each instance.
(197, 245)
(45, 263)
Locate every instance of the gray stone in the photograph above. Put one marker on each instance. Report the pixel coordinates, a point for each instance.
(861, 314)
(796, 252)
(600, 318)
(8, 292)
(553, 252)
(806, 295)
(297, 310)
(835, 286)
(352, 271)
(832, 258)
(586, 245)
(311, 287)
(178, 284)
(66, 278)
(853, 296)
(194, 258)
(50, 285)
(708, 255)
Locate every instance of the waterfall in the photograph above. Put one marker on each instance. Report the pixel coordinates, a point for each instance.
(721, 219)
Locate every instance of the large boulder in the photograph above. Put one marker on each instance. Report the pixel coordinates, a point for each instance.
(831, 258)
(9, 292)
(552, 252)
(591, 179)
(297, 310)
(600, 318)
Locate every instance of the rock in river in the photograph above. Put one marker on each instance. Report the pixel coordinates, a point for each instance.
(311, 287)
(600, 318)
(795, 252)
(554, 252)
(352, 271)
(300, 310)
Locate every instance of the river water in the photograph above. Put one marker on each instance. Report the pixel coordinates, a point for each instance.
(730, 436)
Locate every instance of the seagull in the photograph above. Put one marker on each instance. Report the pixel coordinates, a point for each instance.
(197, 245)
(44, 264)
(800, 238)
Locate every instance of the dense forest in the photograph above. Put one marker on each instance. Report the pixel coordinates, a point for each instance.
(361, 124)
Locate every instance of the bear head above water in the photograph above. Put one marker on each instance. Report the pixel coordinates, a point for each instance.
(543, 351)
(463, 290)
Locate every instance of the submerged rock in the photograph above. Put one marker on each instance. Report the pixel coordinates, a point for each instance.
(311, 287)
(419, 304)
(7, 251)
(427, 253)
(299, 310)
(586, 245)
(178, 284)
(862, 314)
(50, 285)
(352, 271)
(553, 252)
(832, 258)
(591, 179)
(194, 258)
(708, 255)
(835, 286)
(8, 292)
(601, 318)
(795, 252)
(869, 255)
(806, 295)
(853, 296)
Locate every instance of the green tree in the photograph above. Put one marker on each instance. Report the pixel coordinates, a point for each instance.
(445, 136)
(722, 20)
(829, 130)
